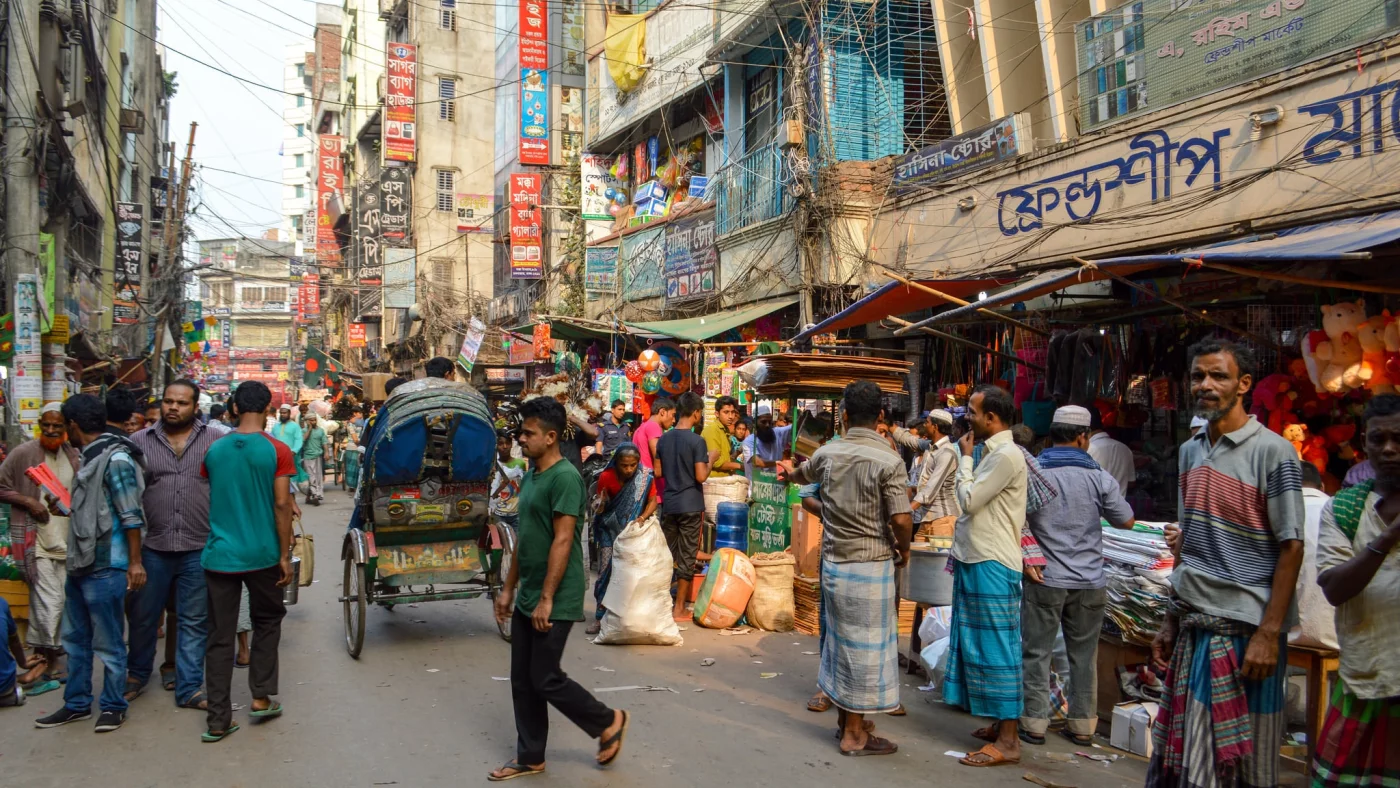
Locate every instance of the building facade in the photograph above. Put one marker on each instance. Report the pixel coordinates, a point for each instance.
(298, 147)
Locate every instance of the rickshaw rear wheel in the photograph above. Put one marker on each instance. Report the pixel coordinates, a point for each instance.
(498, 577)
(353, 590)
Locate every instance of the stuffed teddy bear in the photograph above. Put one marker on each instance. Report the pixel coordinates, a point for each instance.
(1315, 452)
(1335, 352)
(1296, 434)
(1371, 336)
(1273, 401)
(1392, 348)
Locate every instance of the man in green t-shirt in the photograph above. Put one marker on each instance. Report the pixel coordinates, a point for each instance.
(716, 434)
(250, 542)
(548, 574)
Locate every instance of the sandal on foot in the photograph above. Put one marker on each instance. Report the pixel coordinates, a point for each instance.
(987, 734)
(874, 745)
(242, 665)
(41, 686)
(1083, 741)
(867, 726)
(994, 756)
(275, 710)
(616, 738)
(208, 737)
(196, 701)
(899, 711)
(517, 770)
(819, 704)
(134, 689)
(594, 628)
(1031, 738)
(167, 677)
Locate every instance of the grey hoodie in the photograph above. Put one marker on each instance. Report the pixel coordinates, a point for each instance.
(90, 526)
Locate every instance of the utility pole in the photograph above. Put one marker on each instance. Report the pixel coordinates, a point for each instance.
(175, 230)
(21, 138)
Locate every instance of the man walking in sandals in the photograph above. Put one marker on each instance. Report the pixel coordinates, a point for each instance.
(250, 542)
(548, 574)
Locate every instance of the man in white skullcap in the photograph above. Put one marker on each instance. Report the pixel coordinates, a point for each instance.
(1070, 591)
(41, 538)
(935, 499)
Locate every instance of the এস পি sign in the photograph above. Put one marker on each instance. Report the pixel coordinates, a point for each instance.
(770, 517)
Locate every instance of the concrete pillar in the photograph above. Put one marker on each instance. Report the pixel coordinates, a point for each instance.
(22, 167)
(1015, 76)
(1059, 57)
(961, 57)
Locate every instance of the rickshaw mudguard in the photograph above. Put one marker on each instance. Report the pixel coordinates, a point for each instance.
(356, 546)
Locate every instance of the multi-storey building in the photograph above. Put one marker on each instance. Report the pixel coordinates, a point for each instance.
(298, 148)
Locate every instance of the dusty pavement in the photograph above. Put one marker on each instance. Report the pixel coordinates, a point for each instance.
(422, 707)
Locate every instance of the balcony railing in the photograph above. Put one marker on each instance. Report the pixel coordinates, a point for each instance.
(751, 190)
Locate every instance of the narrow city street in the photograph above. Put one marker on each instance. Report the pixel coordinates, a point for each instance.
(426, 705)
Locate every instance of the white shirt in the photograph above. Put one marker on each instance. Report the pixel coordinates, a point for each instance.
(1317, 618)
(993, 501)
(1367, 627)
(1114, 457)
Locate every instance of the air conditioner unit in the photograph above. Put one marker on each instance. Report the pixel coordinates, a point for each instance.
(132, 121)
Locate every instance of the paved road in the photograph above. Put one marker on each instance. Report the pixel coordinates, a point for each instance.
(421, 708)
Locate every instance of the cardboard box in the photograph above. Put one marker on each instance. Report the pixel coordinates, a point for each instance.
(651, 190)
(806, 544)
(373, 385)
(1132, 727)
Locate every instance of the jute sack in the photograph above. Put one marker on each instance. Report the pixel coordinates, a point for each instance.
(772, 606)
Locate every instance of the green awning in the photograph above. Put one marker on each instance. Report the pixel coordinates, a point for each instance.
(699, 329)
(571, 330)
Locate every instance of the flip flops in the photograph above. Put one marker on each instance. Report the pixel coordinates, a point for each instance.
(167, 677)
(275, 710)
(42, 686)
(819, 704)
(209, 737)
(517, 770)
(194, 701)
(134, 690)
(989, 751)
(616, 738)
(1082, 741)
(874, 745)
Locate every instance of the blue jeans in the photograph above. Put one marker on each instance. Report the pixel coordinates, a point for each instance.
(164, 570)
(8, 667)
(93, 614)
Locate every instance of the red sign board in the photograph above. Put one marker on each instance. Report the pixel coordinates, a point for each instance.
(311, 295)
(534, 34)
(357, 335)
(534, 82)
(526, 235)
(330, 181)
(400, 102)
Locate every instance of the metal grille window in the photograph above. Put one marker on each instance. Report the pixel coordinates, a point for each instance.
(761, 108)
(446, 190)
(447, 20)
(447, 91)
(916, 63)
(442, 271)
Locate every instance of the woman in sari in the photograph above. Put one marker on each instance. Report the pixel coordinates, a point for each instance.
(627, 493)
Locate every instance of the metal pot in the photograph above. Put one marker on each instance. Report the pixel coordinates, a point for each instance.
(926, 579)
(289, 592)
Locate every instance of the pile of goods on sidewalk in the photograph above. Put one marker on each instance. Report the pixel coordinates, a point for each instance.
(1139, 566)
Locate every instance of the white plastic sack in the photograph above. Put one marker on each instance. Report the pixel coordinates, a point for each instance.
(638, 599)
(936, 625)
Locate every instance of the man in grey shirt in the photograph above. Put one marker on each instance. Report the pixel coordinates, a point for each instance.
(1069, 591)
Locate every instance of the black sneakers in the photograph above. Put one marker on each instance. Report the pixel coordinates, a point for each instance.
(109, 721)
(63, 716)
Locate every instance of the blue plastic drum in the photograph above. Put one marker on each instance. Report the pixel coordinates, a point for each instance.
(732, 526)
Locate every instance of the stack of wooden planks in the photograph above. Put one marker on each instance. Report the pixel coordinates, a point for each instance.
(807, 593)
(823, 373)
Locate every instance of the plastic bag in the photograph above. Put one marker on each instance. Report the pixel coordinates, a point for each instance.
(772, 606)
(937, 623)
(638, 599)
(728, 585)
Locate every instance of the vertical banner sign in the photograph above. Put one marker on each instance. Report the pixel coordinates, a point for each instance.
(130, 224)
(770, 526)
(395, 205)
(330, 179)
(400, 278)
(543, 344)
(600, 269)
(534, 82)
(27, 368)
(400, 102)
(311, 295)
(369, 247)
(526, 236)
(601, 189)
(476, 331)
(357, 335)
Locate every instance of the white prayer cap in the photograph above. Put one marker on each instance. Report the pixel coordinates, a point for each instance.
(51, 407)
(763, 410)
(941, 416)
(1071, 415)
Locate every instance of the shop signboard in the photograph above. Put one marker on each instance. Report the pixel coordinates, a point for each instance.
(692, 258)
(770, 517)
(311, 296)
(1151, 54)
(400, 102)
(596, 172)
(400, 278)
(395, 205)
(641, 257)
(534, 82)
(526, 234)
(471, 345)
(357, 335)
(368, 246)
(505, 375)
(131, 219)
(997, 142)
(600, 269)
(521, 351)
(330, 179)
(475, 213)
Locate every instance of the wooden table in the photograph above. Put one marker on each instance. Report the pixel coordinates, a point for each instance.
(1320, 664)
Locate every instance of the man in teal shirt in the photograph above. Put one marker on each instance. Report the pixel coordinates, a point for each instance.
(548, 571)
(250, 541)
(289, 433)
(313, 453)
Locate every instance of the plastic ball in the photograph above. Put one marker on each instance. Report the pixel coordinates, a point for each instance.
(611, 193)
(652, 382)
(634, 372)
(614, 209)
(649, 359)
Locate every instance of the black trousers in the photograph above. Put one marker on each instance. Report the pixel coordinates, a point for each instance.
(266, 609)
(537, 682)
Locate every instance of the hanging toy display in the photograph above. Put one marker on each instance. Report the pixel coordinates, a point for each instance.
(677, 380)
(651, 383)
(634, 372)
(649, 360)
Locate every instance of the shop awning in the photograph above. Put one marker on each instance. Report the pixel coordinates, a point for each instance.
(1337, 240)
(897, 298)
(699, 329)
(572, 329)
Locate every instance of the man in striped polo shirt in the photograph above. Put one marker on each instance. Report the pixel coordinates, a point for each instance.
(1241, 511)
